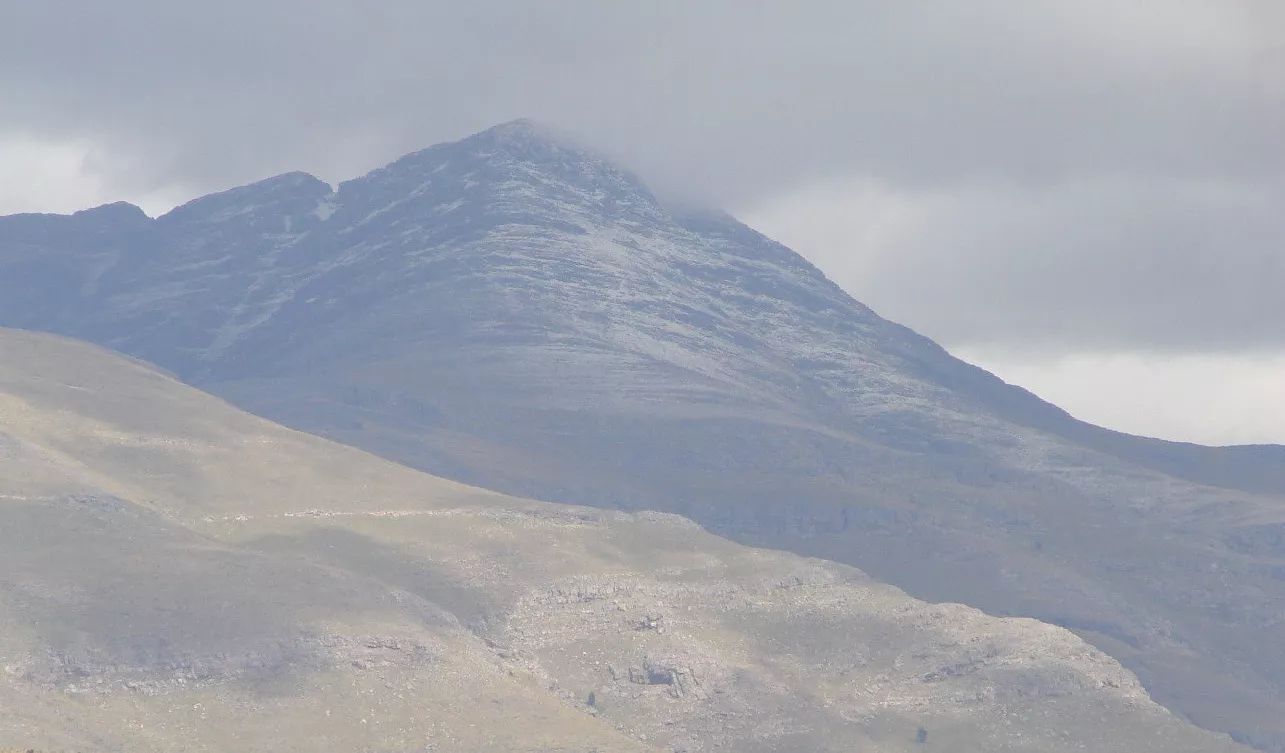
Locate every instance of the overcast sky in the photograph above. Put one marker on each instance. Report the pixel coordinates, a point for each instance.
(1086, 196)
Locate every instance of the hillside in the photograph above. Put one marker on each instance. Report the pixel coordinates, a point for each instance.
(178, 575)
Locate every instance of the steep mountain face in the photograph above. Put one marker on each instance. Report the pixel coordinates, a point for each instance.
(178, 575)
(512, 311)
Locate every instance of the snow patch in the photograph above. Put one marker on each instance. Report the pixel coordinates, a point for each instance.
(325, 208)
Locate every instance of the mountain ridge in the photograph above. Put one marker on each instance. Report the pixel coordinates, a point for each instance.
(525, 131)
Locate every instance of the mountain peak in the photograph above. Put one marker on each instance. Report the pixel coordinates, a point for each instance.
(293, 190)
(519, 128)
(525, 134)
(121, 210)
(522, 141)
(520, 168)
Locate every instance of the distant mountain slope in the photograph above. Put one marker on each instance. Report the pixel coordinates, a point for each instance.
(177, 575)
(513, 311)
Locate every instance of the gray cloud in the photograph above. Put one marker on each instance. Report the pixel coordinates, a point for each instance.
(1110, 263)
(1072, 173)
(731, 98)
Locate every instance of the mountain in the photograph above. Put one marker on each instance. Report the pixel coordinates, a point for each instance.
(178, 575)
(517, 312)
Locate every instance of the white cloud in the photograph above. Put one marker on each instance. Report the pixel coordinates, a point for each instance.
(1206, 398)
(40, 175)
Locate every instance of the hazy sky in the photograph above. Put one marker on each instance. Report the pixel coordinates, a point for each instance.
(1086, 196)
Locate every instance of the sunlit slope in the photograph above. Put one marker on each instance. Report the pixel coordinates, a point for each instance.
(178, 575)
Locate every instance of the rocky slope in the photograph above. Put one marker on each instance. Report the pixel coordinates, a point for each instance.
(178, 575)
(513, 311)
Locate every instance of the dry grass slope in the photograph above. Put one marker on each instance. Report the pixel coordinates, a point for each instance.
(178, 575)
